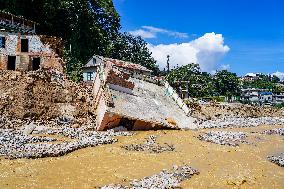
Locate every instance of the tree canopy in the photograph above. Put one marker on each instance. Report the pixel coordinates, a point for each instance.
(202, 84)
(87, 26)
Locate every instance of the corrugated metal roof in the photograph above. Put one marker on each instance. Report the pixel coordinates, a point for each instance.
(127, 65)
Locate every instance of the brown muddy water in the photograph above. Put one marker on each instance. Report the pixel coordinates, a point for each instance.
(245, 166)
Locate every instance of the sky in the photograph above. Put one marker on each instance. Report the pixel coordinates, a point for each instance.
(243, 36)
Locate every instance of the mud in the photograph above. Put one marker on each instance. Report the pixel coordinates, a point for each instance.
(220, 166)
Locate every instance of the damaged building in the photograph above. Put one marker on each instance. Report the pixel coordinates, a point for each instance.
(22, 50)
(125, 94)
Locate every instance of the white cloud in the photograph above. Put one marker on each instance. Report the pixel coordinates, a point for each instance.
(206, 51)
(148, 32)
(279, 74)
(144, 34)
(224, 67)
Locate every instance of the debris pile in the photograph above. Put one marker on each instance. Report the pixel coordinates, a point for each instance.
(277, 131)
(150, 146)
(15, 144)
(211, 111)
(240, 122)
(41, 95)
(163, 180)
(277, 159)
(224, 137)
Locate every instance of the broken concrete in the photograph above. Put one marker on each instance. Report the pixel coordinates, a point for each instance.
(123, 98)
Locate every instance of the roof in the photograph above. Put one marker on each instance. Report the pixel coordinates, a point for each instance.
(19, 17)
(266, 93)
(117, 63)
(127, 65)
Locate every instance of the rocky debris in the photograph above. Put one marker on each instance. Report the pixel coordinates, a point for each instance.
(240, 122)
(42, 95)
(150, 145)
(277, 159)
(165, 179)
(15, 144)
(29, 128)
(277, 131)
(223, 110)
(224, 137)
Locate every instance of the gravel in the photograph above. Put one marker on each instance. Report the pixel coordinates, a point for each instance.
(224, 137)
(165, 179)
(277, 131)
(277, 159)
(150, 145)
(15, 144)
(239, 122)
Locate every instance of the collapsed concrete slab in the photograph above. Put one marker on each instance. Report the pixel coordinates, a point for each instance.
(123, 96)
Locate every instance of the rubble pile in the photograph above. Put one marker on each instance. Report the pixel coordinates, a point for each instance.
(150, 146)
(16, 144)
(240, 122)
(277, 159)
(211, 111)
(224, 137)
(277, 131)
(42, 95)
(163, 180)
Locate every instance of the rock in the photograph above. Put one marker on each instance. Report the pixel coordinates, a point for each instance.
(29, 128)
(277, 159)
(40, 129)
(224, 137)
(149, 146)
(15, 144)
(75, 125)
(120, 128)
(277, 131)
(164, 180)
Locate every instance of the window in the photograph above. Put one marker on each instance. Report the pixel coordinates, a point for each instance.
(36, 63)
(24, 45)
(11, 63)
(2, 42)
(90, 76)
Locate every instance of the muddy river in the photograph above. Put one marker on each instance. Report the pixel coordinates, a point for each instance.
(220, 166)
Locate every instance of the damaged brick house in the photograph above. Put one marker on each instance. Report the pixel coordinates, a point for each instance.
(22, 50)
(126, 95)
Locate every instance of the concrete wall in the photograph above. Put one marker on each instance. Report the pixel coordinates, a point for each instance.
(172, 93)
(36, 49)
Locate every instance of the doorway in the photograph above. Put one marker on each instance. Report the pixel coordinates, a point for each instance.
(36, 64)
(11, 63)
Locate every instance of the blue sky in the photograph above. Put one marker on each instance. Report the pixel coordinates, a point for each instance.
(253, 30)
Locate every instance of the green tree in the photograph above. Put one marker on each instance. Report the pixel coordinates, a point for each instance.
(134, 49)
(87, 26)
(227, 83)
(200, 84)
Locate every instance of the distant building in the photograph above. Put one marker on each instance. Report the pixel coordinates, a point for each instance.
(250, 95)
(278, 98)
(90, 69)
(265, 97)
(250, 77)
